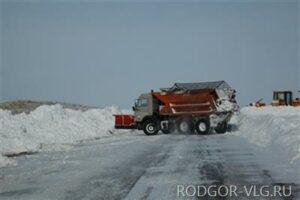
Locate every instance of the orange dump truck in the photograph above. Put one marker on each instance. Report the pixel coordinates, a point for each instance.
(186, 107)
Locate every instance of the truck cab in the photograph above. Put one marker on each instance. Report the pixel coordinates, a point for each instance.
(282, 98)
(143, 107)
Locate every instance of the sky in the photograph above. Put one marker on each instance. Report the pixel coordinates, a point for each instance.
(103, 53)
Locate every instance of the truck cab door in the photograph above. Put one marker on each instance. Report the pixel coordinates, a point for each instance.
(143, 107)
(288, 98)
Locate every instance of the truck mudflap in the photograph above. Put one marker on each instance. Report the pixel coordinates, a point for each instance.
(123, 121)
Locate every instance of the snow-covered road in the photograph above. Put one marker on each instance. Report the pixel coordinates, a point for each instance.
(142, 167)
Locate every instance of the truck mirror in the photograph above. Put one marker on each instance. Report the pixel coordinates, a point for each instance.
(133, 108)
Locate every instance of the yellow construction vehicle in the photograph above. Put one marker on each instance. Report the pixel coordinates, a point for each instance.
(280, 98)
(284, 98)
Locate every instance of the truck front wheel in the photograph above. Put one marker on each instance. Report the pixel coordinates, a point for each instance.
(203, 126)
(150, 127)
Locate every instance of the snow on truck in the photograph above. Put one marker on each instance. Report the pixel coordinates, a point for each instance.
(187, 107)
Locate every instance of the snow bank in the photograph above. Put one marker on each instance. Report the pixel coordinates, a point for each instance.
(276, 129)
(51, 125)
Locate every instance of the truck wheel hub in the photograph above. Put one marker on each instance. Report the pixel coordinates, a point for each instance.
(150, 128)
(202, 126)
(184, 127)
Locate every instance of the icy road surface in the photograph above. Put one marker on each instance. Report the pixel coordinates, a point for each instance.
(143, 167)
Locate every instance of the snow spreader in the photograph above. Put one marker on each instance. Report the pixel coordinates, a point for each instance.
(186, 107)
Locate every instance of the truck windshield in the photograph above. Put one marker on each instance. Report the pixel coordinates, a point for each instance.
(279, 96)
(142, 102)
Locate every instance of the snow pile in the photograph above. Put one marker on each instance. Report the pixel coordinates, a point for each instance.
(275, 128)
(49, 125)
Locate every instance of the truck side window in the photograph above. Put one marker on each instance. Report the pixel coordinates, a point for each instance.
(141, 102)
(281, 96)
(144, 102)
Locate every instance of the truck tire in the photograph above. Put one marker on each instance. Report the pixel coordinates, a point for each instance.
(170, 129)
(185, 125)
(166, 131)
(203, 126)
(221, 128)
(150, 127)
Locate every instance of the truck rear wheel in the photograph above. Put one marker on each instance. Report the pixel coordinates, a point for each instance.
(203, 126)
(185, 126)
(169, 130)
(221, 128)
(150, 127)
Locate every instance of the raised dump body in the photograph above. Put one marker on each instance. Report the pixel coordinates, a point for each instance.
(193, 103)
(185, 106)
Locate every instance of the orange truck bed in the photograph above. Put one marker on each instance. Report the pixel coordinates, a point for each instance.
(192, 103)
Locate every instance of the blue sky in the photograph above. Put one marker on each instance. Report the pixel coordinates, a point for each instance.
(101, 53)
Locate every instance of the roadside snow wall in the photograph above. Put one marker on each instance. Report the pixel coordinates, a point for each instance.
(274, 128)
(277, 129)
(51, 125)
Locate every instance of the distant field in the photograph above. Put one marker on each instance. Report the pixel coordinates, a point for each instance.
(27, 106)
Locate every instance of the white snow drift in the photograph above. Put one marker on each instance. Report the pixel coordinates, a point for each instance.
(51, 125)
(274, 128)
(277, 129)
